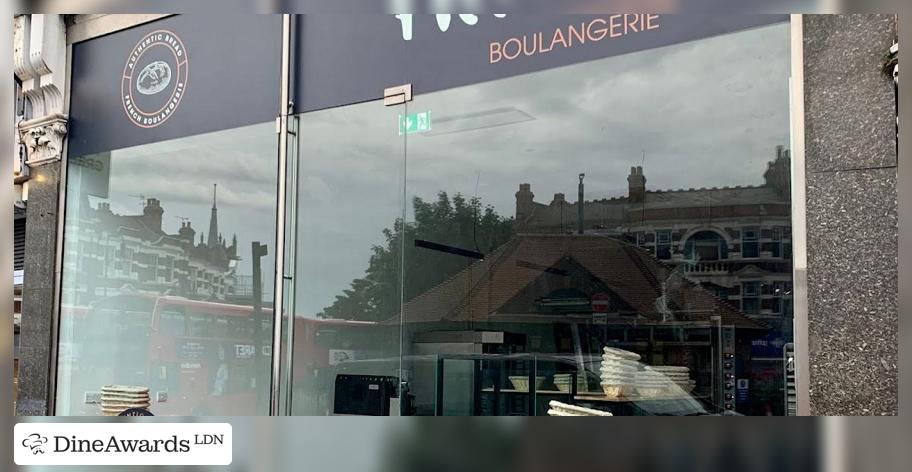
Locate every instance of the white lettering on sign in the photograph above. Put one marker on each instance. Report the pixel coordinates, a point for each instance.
(443, 22)
(244, 351)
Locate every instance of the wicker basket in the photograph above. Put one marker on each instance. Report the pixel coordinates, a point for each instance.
(521, 382)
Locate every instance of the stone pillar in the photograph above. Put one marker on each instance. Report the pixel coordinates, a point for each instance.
(851, 165)
(40, 64)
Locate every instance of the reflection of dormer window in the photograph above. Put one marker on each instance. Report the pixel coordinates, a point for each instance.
(750, 242)
(663, 244)
(776, 246)
(706, 246)
(750, 297)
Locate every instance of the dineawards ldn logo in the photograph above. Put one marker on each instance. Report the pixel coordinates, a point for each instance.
(122, 444)
(35, 442)
(154, 79)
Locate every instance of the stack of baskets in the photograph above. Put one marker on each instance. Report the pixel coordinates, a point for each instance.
(654, 381)
(562, 382)
(115, 399)
(618, 372)
(679, 376)
(521, 382)
(557, 408)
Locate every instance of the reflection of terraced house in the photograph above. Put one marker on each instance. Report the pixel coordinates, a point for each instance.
(735, 241)
(114, 253)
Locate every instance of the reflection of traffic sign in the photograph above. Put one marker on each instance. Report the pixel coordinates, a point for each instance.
(414, 123)
(600, 302)
(337, 356)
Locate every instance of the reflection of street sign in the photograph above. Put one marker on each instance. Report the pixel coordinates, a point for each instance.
(415, 123)
(600, 302)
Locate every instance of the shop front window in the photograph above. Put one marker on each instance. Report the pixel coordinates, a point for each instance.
(492, 260)
(149, 310)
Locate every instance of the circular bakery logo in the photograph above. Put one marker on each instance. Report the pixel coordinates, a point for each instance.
(154, 79)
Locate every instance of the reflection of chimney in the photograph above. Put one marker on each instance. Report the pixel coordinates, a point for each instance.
(186, 233)
(582, 204)
(524, 203)
(152, 214)
(636, 185)
(778, 172)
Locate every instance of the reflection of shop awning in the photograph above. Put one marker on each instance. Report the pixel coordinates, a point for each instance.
(509, 284)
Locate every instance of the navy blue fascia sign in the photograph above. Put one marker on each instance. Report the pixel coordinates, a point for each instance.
(191, 74)
(178, 76)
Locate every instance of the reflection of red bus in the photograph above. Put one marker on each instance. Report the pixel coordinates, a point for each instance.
(196, 357)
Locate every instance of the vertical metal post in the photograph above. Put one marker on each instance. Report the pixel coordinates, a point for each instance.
(533, 375)
(477, 385)
(580, 202)
(279, 279)
(438, 382)
(292, 248)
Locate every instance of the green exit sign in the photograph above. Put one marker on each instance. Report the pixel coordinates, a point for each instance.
(415, 123)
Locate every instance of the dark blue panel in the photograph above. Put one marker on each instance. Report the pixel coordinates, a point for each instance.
(204, 72)
(343, 59)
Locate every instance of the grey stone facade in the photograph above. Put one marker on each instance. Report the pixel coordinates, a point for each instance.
(35, 335)
(851, 214)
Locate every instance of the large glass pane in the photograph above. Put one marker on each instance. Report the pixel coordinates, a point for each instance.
(612, 235)
(166, 291)
(348, 255)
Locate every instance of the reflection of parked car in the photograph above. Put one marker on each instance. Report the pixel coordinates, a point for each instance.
(467, 384)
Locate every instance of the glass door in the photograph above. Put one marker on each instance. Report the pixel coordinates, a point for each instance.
(348, 167)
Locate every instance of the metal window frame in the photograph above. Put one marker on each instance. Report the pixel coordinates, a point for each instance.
(799, 217)
(278, 309)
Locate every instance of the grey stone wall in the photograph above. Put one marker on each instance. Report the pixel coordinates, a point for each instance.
(852, 222)
(38, 291)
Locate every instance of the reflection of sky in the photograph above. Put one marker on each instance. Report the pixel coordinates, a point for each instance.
(180, 173)
(706, 113)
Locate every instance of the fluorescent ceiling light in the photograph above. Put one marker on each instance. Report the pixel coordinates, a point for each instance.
(477, 120)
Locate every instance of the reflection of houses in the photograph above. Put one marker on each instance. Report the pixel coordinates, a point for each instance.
(735, 241)
(571, 295)
(551, 278)
(112, 253)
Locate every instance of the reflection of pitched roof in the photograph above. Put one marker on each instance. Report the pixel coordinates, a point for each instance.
(136, 222)
(480, 292)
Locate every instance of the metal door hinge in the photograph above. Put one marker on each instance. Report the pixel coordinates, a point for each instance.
(397, 95)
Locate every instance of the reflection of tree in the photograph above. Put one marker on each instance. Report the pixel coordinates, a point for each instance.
(458, 222)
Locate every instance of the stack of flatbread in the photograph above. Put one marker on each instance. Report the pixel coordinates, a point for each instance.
(557, 408)
(618, 371)
(679, 375)
(115, 399)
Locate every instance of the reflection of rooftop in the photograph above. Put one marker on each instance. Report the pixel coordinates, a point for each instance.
(511, 283)
(772, 198)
